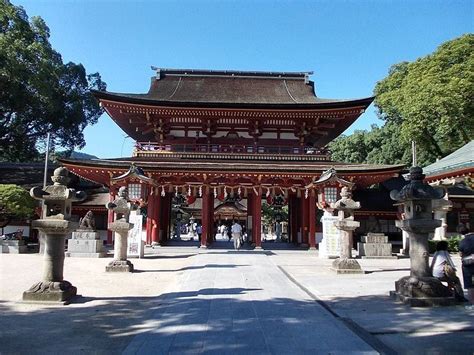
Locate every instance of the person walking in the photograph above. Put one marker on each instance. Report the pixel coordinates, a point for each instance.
(466, 249)
(236, 230)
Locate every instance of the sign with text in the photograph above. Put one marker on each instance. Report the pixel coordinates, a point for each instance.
(136, 244)
(330, 244)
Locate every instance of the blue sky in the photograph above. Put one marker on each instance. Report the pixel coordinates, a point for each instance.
(350, 45)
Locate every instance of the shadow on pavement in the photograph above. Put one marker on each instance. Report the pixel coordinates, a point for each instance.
(177, 322)
(408, 330)
(206, 266)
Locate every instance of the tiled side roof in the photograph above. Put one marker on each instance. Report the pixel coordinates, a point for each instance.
(460, 159)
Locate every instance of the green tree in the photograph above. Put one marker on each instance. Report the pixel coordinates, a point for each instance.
(431, 100)
(38, 92)
(15, 202)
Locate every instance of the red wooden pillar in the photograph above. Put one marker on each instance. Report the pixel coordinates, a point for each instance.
(150, 211)
(206, 227)
(250, 198)
(155, 218)
(110, 218)
(165, 215)
(210, 238)
(312, 219)
(257, 219)
(293, 218)
(304, 219)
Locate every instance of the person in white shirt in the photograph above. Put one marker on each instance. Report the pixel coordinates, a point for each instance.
(237, 235)
(442, 267)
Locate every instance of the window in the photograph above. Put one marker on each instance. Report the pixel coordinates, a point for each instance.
(330, 194)
(134, 191)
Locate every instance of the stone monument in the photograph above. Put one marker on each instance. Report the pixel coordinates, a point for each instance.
(55, 224)
(375, 246)
(345, 264)
(122, 207)
(85, 241)
(420, 289)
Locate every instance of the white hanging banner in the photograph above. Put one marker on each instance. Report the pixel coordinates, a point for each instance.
(136, 241)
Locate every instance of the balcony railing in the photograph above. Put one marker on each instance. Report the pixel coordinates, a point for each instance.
(143, 148)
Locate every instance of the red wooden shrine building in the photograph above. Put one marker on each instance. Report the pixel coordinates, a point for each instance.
(230, 137)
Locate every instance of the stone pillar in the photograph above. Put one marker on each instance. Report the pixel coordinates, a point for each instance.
(55, 225)
(122, 207)
(257, 219)
(312, 219)
(405, 243)
(441, 208)
(156, 220)
(206, 207)
(345, 264)
(110, 219)
(420, 288)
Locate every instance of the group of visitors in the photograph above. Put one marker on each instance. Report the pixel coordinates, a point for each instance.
(443, 268)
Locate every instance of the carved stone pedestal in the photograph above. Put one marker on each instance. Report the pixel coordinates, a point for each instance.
(422, 292)
(120, 262)
(346, 266)
(50, 292)
(85, 244)
(53, 288)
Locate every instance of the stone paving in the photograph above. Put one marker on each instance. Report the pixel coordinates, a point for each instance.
(219, 301)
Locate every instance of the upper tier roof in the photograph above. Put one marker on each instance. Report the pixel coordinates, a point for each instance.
(213, 87)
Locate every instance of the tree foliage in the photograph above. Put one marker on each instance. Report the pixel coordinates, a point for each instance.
(15, 202)
(431, 100)
(38, 92)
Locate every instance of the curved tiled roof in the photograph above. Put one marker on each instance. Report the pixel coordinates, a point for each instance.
(171, 86)
(461, 159)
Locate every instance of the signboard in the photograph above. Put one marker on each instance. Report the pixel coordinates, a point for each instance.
(136, 244)
(330, 243)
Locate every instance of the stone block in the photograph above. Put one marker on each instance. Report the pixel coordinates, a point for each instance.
(88, 235)
(346, 266)
(374, 249)
(13, 247)
(84, 246)
(374, 238)
(119, 266)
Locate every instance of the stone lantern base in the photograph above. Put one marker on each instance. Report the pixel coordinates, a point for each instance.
(50, 292)
(422, 292)
(346, 266)
(119, 266)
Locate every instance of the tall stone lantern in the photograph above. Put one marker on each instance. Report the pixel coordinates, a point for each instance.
(420, 288)
(55, 225)
(345, 264)
(122, 207)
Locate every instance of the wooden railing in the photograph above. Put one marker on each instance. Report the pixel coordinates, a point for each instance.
(142, 148)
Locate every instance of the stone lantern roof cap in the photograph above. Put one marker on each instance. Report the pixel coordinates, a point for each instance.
(416, 189)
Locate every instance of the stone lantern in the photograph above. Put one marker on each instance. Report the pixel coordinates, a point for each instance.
(420, 288)
(55, 225)
(122, 207)
(345, 264)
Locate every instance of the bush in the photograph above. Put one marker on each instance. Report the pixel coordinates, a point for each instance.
(453, 244)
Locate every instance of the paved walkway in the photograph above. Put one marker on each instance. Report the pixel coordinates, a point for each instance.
(218, 301)
(241, 303)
